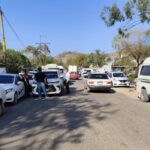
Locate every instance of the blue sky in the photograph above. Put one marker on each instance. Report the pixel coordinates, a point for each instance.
(69, 25)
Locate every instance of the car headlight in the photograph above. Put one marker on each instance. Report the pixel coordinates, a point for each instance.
(9, 90)
(114, 79)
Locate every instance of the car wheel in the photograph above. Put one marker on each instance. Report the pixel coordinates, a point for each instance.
(1, 108)
(109, 90)
(62, 92)
(15, 98)
(88, 89)
(144, 96)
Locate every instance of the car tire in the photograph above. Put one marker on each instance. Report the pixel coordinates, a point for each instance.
(109, 90)
(15, 98)
(144, 96)
(2, 108)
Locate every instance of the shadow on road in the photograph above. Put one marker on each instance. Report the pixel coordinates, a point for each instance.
(46, 124)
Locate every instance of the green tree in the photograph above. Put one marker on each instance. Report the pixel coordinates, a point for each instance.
(132, 9)
(134, 47)
(15, 61)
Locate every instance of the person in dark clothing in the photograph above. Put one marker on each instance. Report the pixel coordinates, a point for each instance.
(67, 81)
(26, 83)
(40, 77)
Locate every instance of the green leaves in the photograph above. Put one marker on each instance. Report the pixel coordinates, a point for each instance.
(111, 14)
(132, 9)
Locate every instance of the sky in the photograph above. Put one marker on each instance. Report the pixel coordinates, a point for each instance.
(67, 25)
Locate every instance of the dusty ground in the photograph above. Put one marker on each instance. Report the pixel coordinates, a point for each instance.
(79, 121)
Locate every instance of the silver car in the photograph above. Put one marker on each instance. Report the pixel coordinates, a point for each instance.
(98, 81)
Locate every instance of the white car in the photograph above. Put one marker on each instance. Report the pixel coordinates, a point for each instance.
(119, 79)
(55, 85)
(14, 88)
(98, 81)
(2, 101)
(31, 77)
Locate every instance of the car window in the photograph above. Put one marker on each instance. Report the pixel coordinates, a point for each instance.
(98, 76)
(145, 70)
(6, 79)
(119, 75)
(30, 77)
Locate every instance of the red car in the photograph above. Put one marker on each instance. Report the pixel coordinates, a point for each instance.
(74, 75)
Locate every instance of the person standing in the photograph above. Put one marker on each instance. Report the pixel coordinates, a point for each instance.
(67, 81)
(40, 77)
(26, 83)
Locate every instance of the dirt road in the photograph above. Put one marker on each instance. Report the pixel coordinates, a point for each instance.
(79, 121)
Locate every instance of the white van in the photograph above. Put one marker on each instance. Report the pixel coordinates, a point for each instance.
(143, 81)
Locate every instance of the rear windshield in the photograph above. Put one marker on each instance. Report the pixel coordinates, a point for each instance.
(145, 70)
(98, 76)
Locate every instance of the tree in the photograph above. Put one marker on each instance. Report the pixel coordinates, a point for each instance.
(40, 54)
(15, 61)
(134, 48)
(80, 60)
(132, 9)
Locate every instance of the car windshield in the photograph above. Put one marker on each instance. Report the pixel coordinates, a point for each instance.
(51, 75)
(98, 76)
(30, 77)
(119, 75)
(6, 79)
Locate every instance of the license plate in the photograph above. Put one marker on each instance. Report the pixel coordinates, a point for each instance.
(99, 82)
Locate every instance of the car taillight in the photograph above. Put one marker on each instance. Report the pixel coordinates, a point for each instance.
(90, 82)
(109, 82)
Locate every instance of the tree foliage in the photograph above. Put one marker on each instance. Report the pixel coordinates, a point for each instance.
(132, 8)
(96, 59)
(134, 47)
(15, 61)
(38, 55)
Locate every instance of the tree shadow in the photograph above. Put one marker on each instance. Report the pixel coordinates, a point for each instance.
(49, 123)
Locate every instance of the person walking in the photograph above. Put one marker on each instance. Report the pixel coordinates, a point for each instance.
(67, 81)
(40, 77)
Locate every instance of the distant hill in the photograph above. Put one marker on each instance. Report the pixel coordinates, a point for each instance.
(66, 56)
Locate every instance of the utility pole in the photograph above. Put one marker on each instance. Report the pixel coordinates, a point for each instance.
(3, 37)
(42, 43)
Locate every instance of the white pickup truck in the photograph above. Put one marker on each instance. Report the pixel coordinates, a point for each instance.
(2, 101)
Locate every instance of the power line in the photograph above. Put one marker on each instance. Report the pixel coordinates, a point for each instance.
(15, 33)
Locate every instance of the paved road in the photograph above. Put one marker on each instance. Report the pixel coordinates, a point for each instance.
(79, 121)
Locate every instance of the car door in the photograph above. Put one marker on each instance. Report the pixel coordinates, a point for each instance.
(20, 87)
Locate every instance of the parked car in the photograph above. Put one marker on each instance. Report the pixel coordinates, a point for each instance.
(13, 87)
(98, 81)
(119, 79)
(2, 101)
(143, 81)
(54, 85)
(74, 75)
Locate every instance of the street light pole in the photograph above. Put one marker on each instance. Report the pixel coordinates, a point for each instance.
(3, 36)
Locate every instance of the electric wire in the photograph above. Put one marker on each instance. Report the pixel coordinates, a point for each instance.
(15, 33)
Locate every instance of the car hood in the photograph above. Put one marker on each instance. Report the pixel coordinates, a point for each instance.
(6, 86)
